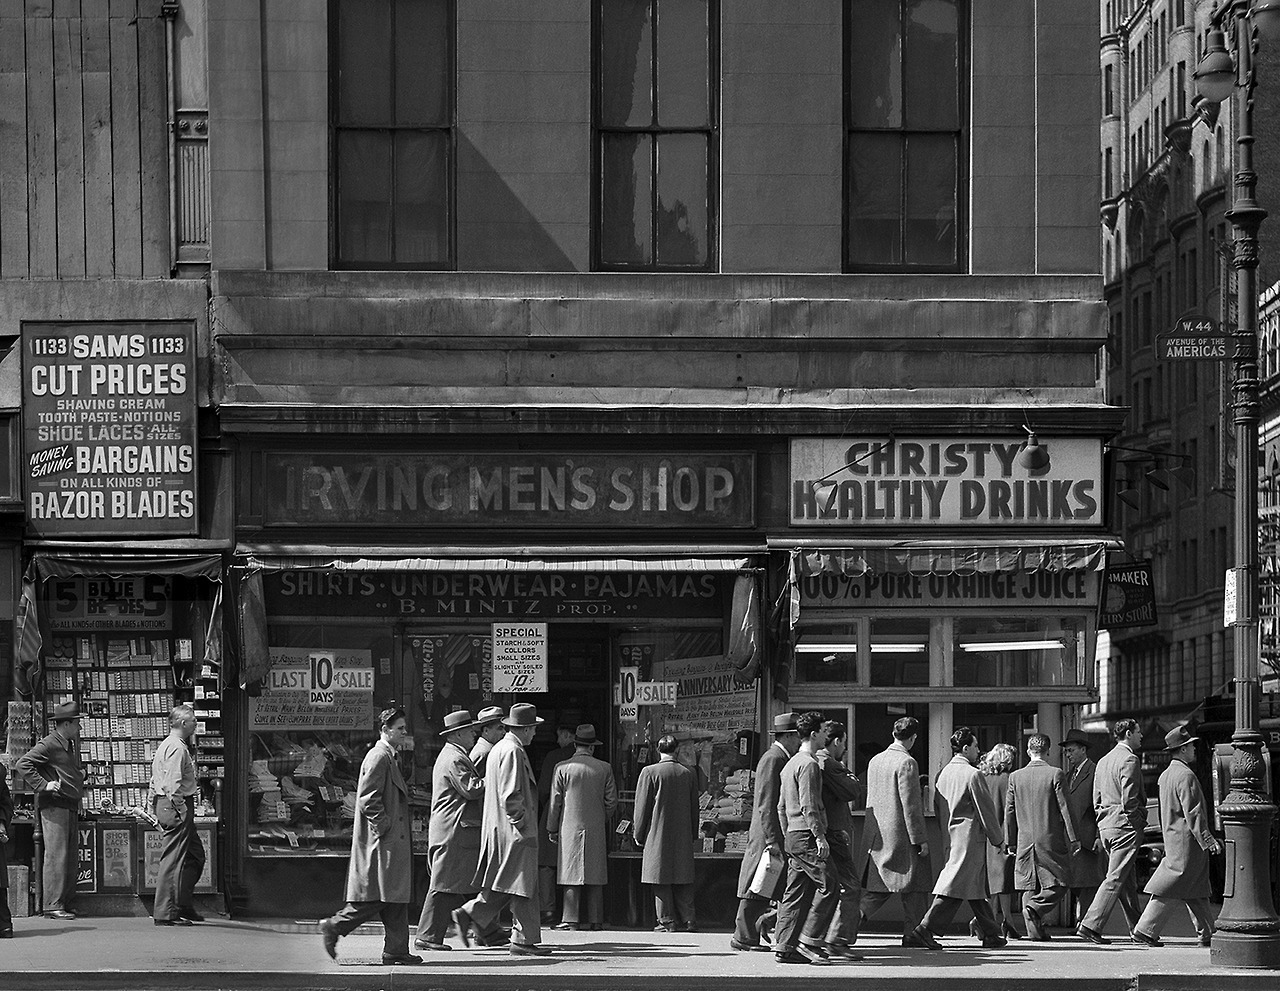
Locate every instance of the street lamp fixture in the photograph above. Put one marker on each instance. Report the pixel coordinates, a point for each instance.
(1248, 931)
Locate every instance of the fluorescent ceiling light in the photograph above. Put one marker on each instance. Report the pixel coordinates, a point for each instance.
(1002, 645)
(822, 648)
(899, 648)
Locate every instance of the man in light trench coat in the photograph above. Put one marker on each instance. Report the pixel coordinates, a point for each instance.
(1041, 835)
(1183, 874)
(583, 794)
(1086, 863)
(453, 836)
(894, 843)
(508, 866)
(665, 823)
(381, 868)
(965, 803)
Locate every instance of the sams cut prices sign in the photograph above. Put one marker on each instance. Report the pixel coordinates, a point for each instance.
(944, 481)
(109, 428)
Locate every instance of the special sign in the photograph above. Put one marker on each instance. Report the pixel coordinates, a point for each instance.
(944, 481)
(109, 427)
(519, 657)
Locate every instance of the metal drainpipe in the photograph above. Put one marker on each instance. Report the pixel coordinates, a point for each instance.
(169, 10)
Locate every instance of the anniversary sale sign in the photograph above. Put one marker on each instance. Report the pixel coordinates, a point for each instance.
(109, 428)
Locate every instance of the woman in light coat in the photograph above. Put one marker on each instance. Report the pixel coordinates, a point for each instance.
(996, 765)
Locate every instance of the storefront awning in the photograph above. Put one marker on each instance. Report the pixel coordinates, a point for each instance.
(69, 565)
(940, 557)
(364, 559)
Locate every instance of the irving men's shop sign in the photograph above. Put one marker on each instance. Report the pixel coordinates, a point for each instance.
(530, 489)
(944, 481)
(109, 428)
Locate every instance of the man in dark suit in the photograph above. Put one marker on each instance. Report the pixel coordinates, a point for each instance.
(1086, 863)
(6, 816)
(1122, 815)
(765, 834)
(1041, 837)
(841, 790)
(53, 767)
(1183, 873)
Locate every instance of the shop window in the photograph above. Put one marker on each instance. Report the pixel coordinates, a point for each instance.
(999, 722)
(899, 651)
(393, 145)
(872, 732)
(828, 653)
(1018, 652)
(656, 68)
(905, 122)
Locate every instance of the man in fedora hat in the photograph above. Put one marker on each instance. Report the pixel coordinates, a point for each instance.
(765, 834)
(379, 876)
(893, 835)
(1183, 874)
(52, 767)
(583, 794)
(453, 835)
(1086, 863)
(507, 872)
(1122, 815)
(489, 730)
(665, 823)
(566, 721)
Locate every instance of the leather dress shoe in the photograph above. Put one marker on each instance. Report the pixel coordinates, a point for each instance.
(499, 938)
(60, 913)
(6, 934)
(464, 923)
(737, 944)
(173, 922)
(1206, 939)
(190, 914)
(921, 939)
(426, 944)
(1145, 938)
(565, 927)
(842, 951)
(1035, 928)
(329, 936)
(529, 950)
(1093, 936)
(994, 942)
(1009, 932)
(403, 959)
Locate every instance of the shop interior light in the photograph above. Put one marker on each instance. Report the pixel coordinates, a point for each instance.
(826, 648)
(996, 646)
(899, 648)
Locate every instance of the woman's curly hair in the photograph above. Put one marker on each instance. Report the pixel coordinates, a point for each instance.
(998, 760)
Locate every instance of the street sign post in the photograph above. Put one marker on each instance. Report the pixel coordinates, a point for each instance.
(1194, 338)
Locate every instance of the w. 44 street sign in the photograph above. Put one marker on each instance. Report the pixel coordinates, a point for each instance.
(1194, 338)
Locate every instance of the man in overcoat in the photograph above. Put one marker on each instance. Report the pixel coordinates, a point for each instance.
(548, 858)
(841, 791)
(1183, 874)
(489, 730)
(53, 767)
(964, 802)
(1040, 834)
(764, 834)
(381, 867)
(1086, 863)
(6, 817)
(664, 823)
(507, 872)
(583, 794)
(1121, 807)
(894, 843)
(453, 835)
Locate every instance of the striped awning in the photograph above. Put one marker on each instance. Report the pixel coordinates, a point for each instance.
(361, 562)
(938, 557)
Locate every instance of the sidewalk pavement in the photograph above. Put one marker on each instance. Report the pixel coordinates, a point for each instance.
(132, 953)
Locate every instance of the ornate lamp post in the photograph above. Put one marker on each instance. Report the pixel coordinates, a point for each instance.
(1248, 933)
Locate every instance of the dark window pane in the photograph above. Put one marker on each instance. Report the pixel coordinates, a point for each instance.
(683, 71)
(931, 200)
(682, 199)
(875, 199)
(422, 62)
(364, 196)
(364, 62)
(626, 188)
(626, 63)
(875, 63)
(933, 47)
(422, 197)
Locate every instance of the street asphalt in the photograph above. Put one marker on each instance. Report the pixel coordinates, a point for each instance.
(132, 953)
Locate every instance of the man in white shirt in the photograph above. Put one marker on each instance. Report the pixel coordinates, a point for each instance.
(173, 791)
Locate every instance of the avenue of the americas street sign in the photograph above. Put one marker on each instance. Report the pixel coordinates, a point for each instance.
(1194, 338)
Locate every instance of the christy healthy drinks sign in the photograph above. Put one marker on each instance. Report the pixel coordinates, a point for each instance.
(109, 427)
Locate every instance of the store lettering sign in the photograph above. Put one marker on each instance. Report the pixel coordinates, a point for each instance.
(101, 603)
(109, 428)
(1128, 596)
(519, 657)
(944, 481)
(493, 596)
(978, 590)
(514, 488)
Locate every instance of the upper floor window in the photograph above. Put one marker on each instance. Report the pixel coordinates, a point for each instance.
(905, 125)
(656, 134)
(393, 113)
